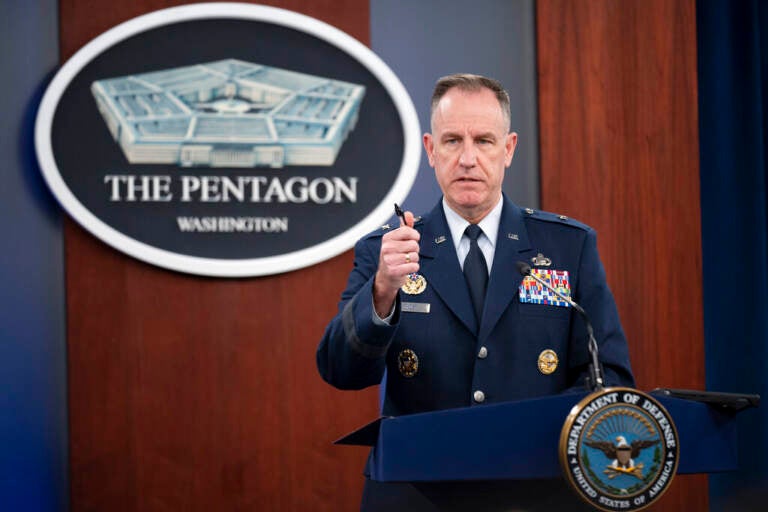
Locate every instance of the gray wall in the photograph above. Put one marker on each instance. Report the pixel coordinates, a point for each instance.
(424, 40)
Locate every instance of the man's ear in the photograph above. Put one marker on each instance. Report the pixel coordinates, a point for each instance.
(429, 146)
(509, 148)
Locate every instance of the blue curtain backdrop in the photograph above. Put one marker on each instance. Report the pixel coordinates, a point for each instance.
(33, 408)
(733, 107)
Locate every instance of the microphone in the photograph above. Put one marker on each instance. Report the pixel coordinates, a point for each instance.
(595, 371)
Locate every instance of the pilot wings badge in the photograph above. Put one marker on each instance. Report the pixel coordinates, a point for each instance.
(619, 449)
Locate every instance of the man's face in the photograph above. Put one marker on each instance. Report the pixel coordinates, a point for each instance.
(469, 148)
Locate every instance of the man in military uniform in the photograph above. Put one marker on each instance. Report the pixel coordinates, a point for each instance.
(439, 303)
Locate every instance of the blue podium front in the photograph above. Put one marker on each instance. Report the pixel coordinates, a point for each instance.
(519, 441)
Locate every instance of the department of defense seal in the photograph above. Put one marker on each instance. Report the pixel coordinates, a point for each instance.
(619, 449)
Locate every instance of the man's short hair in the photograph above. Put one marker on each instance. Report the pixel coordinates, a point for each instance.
(471, 83)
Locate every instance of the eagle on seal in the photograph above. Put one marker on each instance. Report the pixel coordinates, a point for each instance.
(622, 453)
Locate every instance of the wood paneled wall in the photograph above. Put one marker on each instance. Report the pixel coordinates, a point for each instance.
(619, 151)
(196, 394)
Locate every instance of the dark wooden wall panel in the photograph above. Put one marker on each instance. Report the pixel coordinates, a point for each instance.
(619, 150)
(82, 20)
(190, 393)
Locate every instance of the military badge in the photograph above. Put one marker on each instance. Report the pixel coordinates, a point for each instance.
(548, 362)
(407, 363)
(532, 292)
(414, 284)
(541, 261)
(619, 449)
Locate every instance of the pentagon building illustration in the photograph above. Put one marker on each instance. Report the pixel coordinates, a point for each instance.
(228, 113)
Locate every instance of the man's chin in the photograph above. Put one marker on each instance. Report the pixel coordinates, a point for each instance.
(469, 207)
(470, 198)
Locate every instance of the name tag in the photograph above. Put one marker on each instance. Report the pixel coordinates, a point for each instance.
(414, 307)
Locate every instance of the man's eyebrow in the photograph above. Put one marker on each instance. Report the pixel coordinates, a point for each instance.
(459, 134)
(451, 135)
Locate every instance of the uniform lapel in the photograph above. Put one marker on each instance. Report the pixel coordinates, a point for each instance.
(440, 266)
(505, 278)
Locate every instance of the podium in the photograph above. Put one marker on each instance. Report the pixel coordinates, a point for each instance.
(516, 441)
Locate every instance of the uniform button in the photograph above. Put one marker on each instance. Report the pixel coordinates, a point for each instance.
(483, 353)
(479, 396)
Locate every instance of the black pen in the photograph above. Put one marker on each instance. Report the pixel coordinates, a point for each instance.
(399, 212)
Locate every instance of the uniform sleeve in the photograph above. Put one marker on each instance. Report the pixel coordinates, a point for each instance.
(594, 295)
(352, 353)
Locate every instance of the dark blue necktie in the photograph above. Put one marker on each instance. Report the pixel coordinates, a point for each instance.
(475, 270)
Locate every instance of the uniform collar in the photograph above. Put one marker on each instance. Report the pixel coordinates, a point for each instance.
(489, 224)
(440, 265)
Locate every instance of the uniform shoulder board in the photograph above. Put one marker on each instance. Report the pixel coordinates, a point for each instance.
(541, 215)
(377, 233)
(384, 228)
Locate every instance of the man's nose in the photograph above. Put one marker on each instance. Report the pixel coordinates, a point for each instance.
(468, 157)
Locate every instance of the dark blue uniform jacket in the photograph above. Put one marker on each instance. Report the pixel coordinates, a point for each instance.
(447, 340)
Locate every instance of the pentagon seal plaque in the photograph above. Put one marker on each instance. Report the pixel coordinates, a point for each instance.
(619, 449)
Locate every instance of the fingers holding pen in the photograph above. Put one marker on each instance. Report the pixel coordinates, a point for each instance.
(400, 261)
(399, 256)
(406, 218)
(400, 252)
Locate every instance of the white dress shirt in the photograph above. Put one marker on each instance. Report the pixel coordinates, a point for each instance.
(486, 242)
